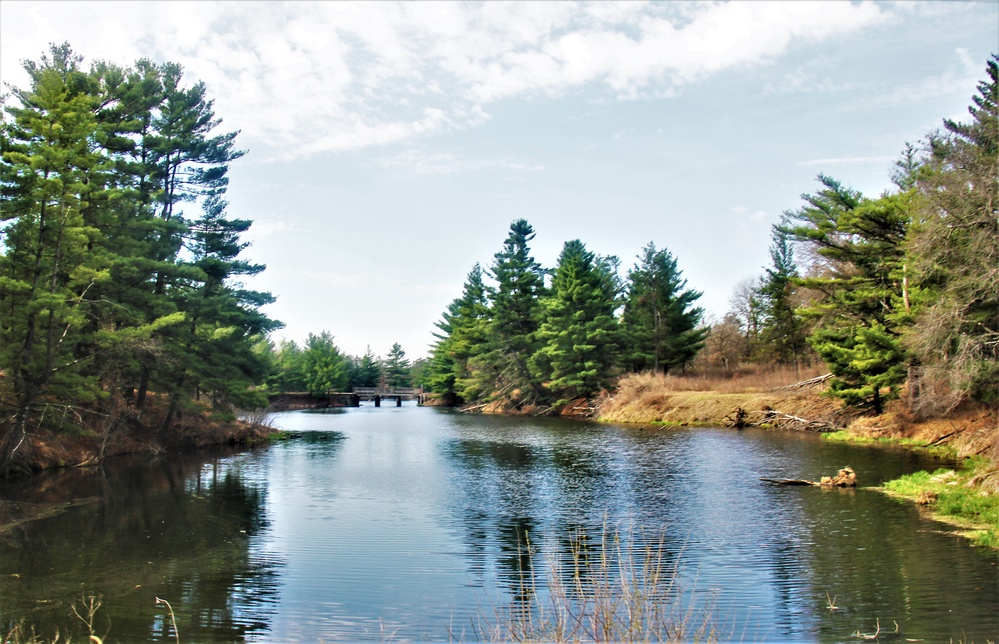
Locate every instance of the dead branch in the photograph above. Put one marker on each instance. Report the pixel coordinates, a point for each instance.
(788, 481)
(871, 636)
(811, 382)
(942, 438)
(772, 417)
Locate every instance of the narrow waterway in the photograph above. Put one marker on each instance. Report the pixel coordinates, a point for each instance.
(417, 523)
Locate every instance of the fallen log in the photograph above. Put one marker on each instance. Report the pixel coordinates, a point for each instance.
(846, 477)
(788, 481)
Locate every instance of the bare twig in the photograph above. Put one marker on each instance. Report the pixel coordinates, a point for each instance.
(870, 636)
(173, 618)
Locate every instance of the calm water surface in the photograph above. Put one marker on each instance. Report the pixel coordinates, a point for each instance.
(411, 523)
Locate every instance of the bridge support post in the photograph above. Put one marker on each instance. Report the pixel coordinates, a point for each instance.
(355, 400)
(378, 401)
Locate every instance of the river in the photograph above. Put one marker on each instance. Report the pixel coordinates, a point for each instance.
(419, 523)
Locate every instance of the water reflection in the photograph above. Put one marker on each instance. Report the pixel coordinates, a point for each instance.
(131, 531)
(407, 523)
(763, 558)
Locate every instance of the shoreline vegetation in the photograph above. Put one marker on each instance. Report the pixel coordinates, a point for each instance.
(966, 496)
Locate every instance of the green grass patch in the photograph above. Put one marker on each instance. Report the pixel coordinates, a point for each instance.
(843, 436)
(948, 494)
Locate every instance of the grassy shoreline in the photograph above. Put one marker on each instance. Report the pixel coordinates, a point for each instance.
(955, 497)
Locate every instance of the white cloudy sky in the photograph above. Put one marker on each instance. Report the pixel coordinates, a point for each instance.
(391, 144)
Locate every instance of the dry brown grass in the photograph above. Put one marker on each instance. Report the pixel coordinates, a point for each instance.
(745, 379)
(706, 399)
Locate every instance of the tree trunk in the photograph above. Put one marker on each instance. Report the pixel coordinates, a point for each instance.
(18, 434)
(171, 412)
(140, 396)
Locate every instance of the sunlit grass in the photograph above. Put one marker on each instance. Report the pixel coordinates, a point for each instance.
(956, 496)
(844, 436)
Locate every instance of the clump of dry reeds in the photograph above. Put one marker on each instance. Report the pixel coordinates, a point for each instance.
(613, 591)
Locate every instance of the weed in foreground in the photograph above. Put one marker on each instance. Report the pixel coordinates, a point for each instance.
(615, 590)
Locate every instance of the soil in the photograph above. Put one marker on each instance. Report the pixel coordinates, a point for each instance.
(46, 449)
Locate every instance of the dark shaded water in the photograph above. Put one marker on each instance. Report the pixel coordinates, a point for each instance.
(410, 523)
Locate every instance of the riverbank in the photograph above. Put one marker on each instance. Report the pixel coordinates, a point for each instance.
(657, 400)
(967, 496)
(135, 432)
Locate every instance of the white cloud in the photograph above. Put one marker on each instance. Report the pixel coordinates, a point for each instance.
(957, 80)
(302, 78)
(857, 160)
(443, 163)
(263, 228)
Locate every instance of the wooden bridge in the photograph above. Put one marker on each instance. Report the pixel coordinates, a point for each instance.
(378, 393)
(353, 398)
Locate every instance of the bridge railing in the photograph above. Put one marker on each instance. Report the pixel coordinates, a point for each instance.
(388, 391)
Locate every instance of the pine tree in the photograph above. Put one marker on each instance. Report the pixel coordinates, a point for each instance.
(660, 324)
(288, 372)
(369, 371)
(579, 334)
(502, 371)
(463, 333)
(954, 257)
(51, 258)
(860, 241)
(324, 367)
(188, 163)
(783, 335)
(397, 367)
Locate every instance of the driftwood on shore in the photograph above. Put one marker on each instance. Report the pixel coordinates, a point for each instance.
(811, 382)
(846, 477)
(777, 419)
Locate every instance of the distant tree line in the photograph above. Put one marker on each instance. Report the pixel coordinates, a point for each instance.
(545, 336)
(896, 290)
(319, 367)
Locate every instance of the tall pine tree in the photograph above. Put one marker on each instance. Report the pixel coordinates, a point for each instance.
(52, 257)
(397, 367)
(783, 330)
(661, 327)
(503, 370)
(860, 242)
(578, 336)
(463, 332)
(954, 257)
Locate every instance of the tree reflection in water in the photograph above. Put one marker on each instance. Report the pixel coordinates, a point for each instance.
(179, 528)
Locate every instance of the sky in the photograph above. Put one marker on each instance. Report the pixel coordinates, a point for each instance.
(390, 145)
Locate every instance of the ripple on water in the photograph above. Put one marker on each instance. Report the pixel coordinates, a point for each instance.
(409, 523)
